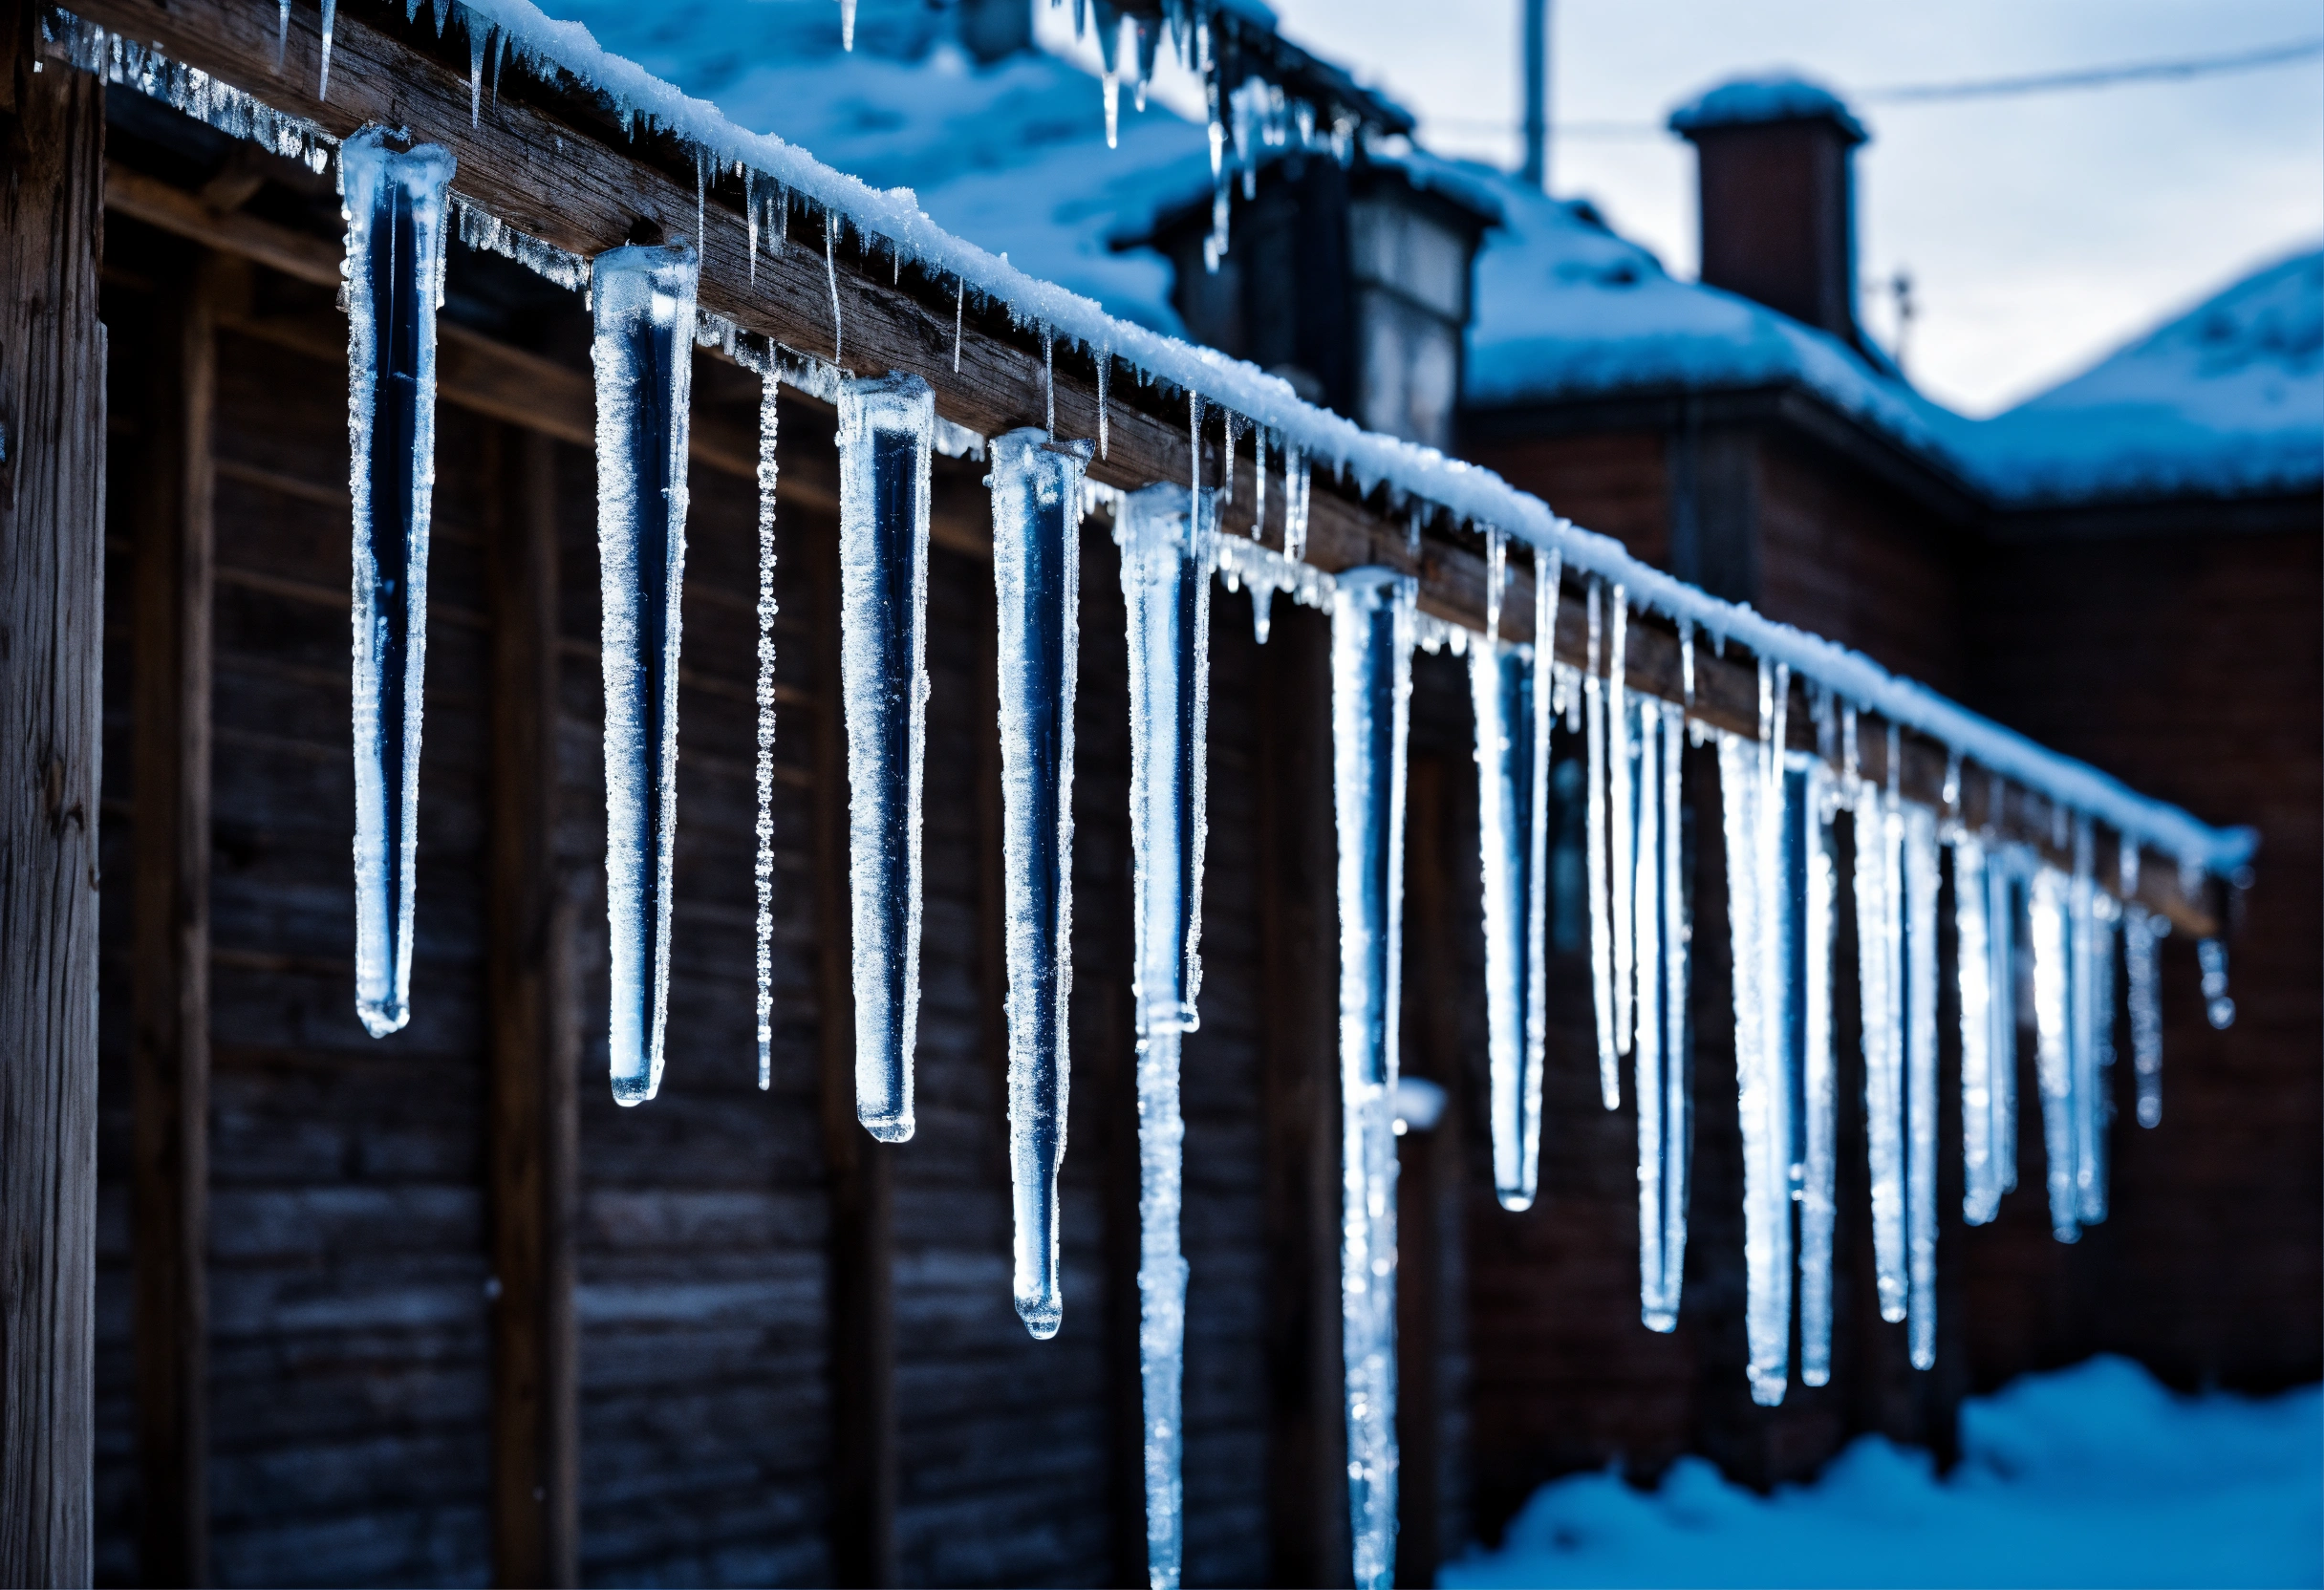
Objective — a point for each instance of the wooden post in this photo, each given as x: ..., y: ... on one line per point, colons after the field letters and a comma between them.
x: 171, y: 835
x: 52, y: 658
x: 1307, y: 1429
x: 535, y: 1125
x: 861, y: 1312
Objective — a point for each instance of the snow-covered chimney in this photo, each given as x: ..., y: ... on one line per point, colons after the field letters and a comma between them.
x: 1778, y: 201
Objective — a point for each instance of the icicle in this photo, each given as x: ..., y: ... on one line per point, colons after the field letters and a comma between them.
x: 1194, y: 427
x: 1973, y: 972
x: 1113, y: 110
x: 1104, y: 371
x: 330, y: 9
x: 2143, y: 934
x: 1263, y: 597
x: 1166, y: 591
x: 769, y: 413
x: 1602, y: 919
x: 2090, y: 1025
x: 393, y: 205
x: 1921, y: 1086
x: 1502, y: 679
x: 1880, y: 1004
x: 831, y: 265
x: 1686, y: 659
x: 1497, y: 576
x: 959, y: 315
x: 480, y: 36
x: 847, y: 25
x: 2097, y: 1108
x: 1819, y: 1206
x: 886, y: 436
x: 2054, y: 1049
x: 1049, y: 382
x: 1295, y: 488
x: 1259, y: 482
x: 2003, y: 869
x: 282, y: 36
x: 642, y: 300
x: 2211, y: 955
x: 1762, y: 1103
x: 1678, y: 1100
x: 1230, y: 422
x: 750, y: 222
x: 1620, y: 754
x: 1371, y: 687
x: 702, y: 198
x: 1037, y: 490
x: 1657, y: 1308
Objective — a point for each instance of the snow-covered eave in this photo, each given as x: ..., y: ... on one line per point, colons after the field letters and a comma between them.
x: 570, y: 59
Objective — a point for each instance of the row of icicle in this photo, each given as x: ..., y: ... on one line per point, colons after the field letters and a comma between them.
x: 1779, y: 809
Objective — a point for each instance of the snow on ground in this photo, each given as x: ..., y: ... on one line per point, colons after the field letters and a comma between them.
x: 2093, y: 1476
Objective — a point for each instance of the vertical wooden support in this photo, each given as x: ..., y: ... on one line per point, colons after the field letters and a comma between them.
x: 1299, y: 918
x: 171, y: 835
x: 861, y: 1312
x: 534, y: 1119
x: 52, y: 630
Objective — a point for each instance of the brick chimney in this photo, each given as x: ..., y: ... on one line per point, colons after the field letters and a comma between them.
x: 1778, y: 198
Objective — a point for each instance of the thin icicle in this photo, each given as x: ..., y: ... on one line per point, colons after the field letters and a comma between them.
x: 2218, y: 1006
x: 479, y: 38
x: 2143, y: 934
x: 393, y: 205
x: 2005, y: 868
x: 642, y: 300
x: 1048, y: 382
x: 1104, y: 371
x: 959, y: 315
x: 2054, y: 1049
x: 1193, y: 426
x: 750, y: 221
x: 1166, y: 591
x: 1762, y: 1102
x: 1231, y: 425
x: 1820, y: 1101
x: 886, y: 438
x: 1258, y: 486
x: 282, y: 35
x: 1974, y: 973
x: 1037, y: 496
x: 1622, y: 816
x: 1920, y: 852
x: 1497, y: 576
x: 1881, y: 1001
x: 1657, y: 1308
x: 331, y: 9
x: 771, y: 388
x: 830, y: 266
x: 1295, y: 488
x: 1602, y: 919
x: 1371, y: 688
x: 1501, y: 681
x: 847, y: 25
x: 1678, y: 1099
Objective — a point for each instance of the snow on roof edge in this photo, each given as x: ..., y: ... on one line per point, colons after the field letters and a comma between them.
x: 1465, y: 489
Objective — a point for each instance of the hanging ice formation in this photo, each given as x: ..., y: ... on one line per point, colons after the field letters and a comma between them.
x: 394, y: 203
x: 1920, y: 853
x: 2049, y: 920
x: 1166, y: 590
x: 1511, y: 689
x: 1371, y: 645
x: 1818, y: 874
x: 1880, y: 940
x: 1602, y: 925
x: 2143, y: 934
x: 1036, y: 497
x: 642, y: 299
x: 887, y: 430
x: 2092, y: 1024
x: 1659, y: 1050
x: 763, y: 871
x: 1621, y: 830
x: 2218, y: 1008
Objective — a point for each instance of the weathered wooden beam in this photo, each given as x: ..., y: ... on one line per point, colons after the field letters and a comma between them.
x: 52, y: 614
x: 532, y: 1148
x: 172, y: 551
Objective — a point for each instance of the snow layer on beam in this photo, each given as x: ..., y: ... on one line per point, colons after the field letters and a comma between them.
x: 1368, y: 460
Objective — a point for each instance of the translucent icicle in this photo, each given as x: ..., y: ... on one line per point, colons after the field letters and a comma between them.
x: 830, y: 270
x: 330, y: 9
x: 959, y: 313
x: 2004, y: 869
x: 1371, y: 687
x: 1622, y: 816
x: 1113, y: 110
x: 1657, y: 1308
x: 1166, y: 591
x: 1601, y: 920
x: 1879, y: 1001
x: 1501, y: 681
x: 1048, y: 382
x: 2218, y: 1006
x: 394, y: 205
x: 282, y: 34
x: 1921, y: 1085
x: 1231, y: 424
x: 479, y: 38
x: 1762, y: 1103
x: 642, y: 301
x: 1262, y: 601
x: 750, y: 222
x: 1973, y: 972
x: 1678, y: 1099
x: 847, y: 24
x: 2143, y: 934
x: 769, y: 412
x: 1104, y: 371
x: 2050, y: 917
x: 1036, y: 494
x: 1259, y: 482
x: 2082, y: 1025
x: 1193, y: 426
x: 1820, y: 1101
x: 1295, y: 488
x: 885, y: 436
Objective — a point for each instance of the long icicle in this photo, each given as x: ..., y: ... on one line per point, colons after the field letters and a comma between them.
x: 1501, y: 685
x: 642, y: 300
x: 1622, y: 818
x: 1743, y: 793
x: 1601, y: 918
x: 394, y: 205
x: 1037, y: 498
x: 1777, y: 915
x: 1657, y: 1308
x: 1678, y: 1098
x: 1974, y: 974
x: 771, y: 387
x: 1921, y: 1086
x: 2143, y: 934
x: 1549, y: 574
x: 1371, y: 646
x: 2050, y: 917
x: 1166, y: 592
x: 1883, y: 1064
x: 2004, y: 872
x: 1820, y: 1101
x: 886, y: 438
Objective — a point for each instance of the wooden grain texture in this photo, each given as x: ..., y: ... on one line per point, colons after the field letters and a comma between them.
x: 533, y: 1140
x: 174, y: 553
x: 51, y: 548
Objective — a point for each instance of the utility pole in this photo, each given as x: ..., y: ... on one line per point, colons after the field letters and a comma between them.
x: 1537, y: 92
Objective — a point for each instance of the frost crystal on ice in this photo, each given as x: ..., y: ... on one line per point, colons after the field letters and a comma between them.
x: 887, y: 433
x: 1166, y: 590
x: 394, y: 204
x: 1512, y: 811
x: 769, y: 393
x: 1371, y: 646
x: 1037, y: 498
x: 642, y: 299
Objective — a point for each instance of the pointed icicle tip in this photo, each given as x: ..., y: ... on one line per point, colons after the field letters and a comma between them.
x: 847, y: 25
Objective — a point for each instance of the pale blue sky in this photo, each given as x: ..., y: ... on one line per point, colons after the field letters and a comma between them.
x: 2039, y: 230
